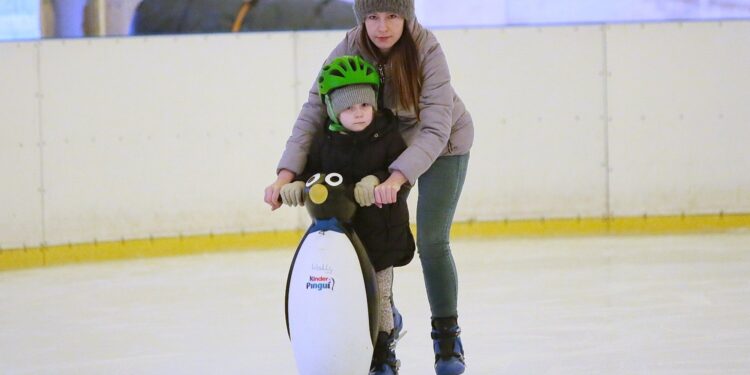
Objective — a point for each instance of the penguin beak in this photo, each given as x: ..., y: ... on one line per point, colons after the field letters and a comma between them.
x: 318, y: 194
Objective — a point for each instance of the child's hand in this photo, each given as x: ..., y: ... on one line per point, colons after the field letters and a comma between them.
x: 364, y: 190
x: 291, y: 193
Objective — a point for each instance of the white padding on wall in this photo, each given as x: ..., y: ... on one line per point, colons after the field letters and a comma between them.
x: 536, y: 96
x: 312, y: 50
x: 20, y: 176
x: 679, y: 107
x: 161, y: 136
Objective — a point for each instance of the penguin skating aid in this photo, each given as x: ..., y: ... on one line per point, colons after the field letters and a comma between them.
x: 331, y: 293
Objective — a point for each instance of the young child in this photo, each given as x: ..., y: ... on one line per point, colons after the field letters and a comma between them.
x: 360, y: 143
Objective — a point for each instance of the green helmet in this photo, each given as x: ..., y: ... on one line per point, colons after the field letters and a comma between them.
x: 344, y: 71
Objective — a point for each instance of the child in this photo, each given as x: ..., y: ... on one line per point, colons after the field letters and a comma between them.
x: 360, y: 143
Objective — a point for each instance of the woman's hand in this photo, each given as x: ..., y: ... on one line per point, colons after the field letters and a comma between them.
x: 387, y: 192
x: 272, y: 191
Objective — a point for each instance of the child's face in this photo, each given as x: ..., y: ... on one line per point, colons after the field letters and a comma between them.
x: 357, y: 117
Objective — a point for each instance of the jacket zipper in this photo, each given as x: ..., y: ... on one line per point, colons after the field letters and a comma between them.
x: 381, y: 91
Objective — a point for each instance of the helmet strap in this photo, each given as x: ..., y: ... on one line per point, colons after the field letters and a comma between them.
x: 334, y: 126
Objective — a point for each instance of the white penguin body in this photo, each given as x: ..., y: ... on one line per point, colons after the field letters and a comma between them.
x: 331, y: 296
x: 327, y: 305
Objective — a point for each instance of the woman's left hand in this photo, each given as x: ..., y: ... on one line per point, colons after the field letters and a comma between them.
x: 387, y: 192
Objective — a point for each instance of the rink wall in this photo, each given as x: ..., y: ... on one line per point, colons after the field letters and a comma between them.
x: 579, y: 129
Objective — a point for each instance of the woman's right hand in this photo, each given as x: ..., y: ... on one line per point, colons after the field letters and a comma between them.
x: 272, y: 191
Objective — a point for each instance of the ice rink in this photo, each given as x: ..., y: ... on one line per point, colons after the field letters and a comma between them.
x: 585, y: 305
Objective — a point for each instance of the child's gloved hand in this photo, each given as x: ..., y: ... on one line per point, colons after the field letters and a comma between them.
x: 364, y: 190
x: 291, y: 193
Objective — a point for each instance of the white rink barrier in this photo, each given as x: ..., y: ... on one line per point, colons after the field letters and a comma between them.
x: 146, y: 137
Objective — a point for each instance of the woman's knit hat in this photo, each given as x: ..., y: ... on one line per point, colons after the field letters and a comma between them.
x: 404, y: 8
x: 347, y: 96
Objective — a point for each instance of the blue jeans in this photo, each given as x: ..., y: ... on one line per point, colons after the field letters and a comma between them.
x: 439, y: 190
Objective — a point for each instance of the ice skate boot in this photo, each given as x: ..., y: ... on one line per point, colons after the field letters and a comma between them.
x: 398, y: 324
x: 449, y: 352
x: 384, y: 361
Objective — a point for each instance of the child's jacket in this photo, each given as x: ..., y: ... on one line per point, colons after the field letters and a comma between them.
x: 384, y: 231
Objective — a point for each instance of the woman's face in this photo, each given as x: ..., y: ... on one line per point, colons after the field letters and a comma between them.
x: 384, y: 29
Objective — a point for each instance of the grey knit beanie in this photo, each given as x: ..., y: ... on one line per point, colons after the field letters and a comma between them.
x: 404, y: 8
x: 347, y: 96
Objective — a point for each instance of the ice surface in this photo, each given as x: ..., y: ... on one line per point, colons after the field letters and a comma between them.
x: 591, y: 305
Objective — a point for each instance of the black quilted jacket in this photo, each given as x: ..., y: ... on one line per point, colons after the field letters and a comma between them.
x: 384, y: 231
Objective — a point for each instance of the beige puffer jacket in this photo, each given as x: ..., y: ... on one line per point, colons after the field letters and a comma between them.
x: 446, y: 127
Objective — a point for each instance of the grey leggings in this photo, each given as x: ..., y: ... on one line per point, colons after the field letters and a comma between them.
x: 385, y: 295
x: 439, y: 190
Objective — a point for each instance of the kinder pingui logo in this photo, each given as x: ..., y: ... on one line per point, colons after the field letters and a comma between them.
x: 320, y: 283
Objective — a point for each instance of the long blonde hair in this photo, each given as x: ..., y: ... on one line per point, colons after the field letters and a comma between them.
x: 404, y: 59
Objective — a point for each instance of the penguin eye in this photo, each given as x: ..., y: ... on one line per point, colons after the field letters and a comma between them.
x: 334, y: 179
x: 313, y: 179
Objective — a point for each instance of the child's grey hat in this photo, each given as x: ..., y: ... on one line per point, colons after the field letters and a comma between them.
x: 404, y: 8
x: 347, y: 96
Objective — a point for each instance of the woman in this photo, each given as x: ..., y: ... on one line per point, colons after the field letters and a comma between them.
x: 439, y: 133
